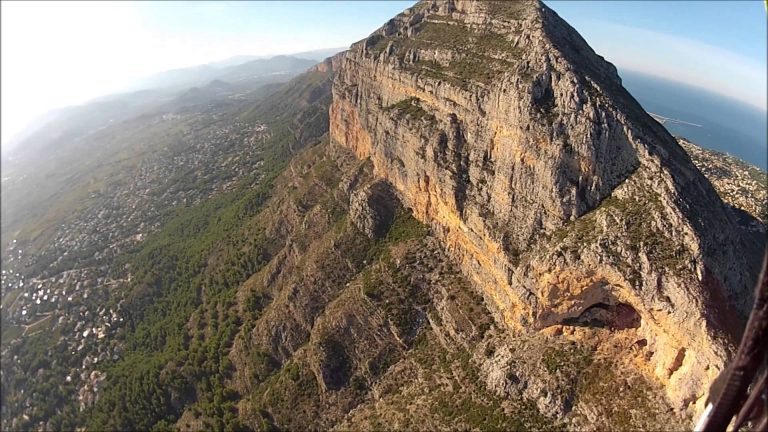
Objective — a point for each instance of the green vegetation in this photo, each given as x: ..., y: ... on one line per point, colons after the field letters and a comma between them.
x: 39, y: 325
x: 194, y: 310
x: 637, y: 228
x: 405, y: 228
x: 10, y: 331
x: 290, y: 394
x: 262, y: 365
x: 464, y: 71
x: 470, y: 69
x: 337, y: 367
x: 183, y: 315
x: 468, y: 407
x: 569, y: 360
x: 377, y: 43
x: 371, y: 284
x: 481, y: 56
x: 445, y: 34
x: 383, y: 360
x: 642, y: 233
x: 411, y: 108
x: 402, y: 299
x: 624, y: 401
x: 172, y: 272
x: 458, y: 36
x: 292, y: 371
x: 507, y: 9
x: 389, y: 285
x: 181, y: 312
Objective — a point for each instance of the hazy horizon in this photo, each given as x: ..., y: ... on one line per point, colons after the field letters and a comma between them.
x: 139, y: 39
x: 142, y: 39
x: 129, y: 86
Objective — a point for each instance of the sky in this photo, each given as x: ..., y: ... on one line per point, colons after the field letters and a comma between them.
x: 716, y: 45
x: 64, y: 53
x: 56, y: 54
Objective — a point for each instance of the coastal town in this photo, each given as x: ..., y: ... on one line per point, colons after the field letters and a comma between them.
x: 70, y: 287
x: 738, y: 183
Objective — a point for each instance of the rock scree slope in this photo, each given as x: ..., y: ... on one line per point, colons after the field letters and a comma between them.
x: 558, y: 196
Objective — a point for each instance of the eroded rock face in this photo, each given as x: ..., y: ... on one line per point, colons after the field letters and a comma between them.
x: 373, y: 208
x: 548, y: 183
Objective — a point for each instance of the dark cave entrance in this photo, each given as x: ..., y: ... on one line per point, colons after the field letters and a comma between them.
x: 619, y: 316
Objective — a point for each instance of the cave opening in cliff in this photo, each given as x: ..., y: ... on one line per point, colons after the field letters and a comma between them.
x: 618, y: 316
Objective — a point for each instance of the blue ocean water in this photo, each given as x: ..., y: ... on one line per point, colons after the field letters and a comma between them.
x: 727, y: 125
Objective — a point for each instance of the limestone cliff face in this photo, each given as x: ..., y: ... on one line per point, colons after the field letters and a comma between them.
x: 560, y: 198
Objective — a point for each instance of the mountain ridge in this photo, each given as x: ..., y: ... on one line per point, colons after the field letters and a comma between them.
x: 601, y: 144
x: 202, y: 74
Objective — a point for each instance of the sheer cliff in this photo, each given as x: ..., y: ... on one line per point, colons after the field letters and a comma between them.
x: 559, y: 197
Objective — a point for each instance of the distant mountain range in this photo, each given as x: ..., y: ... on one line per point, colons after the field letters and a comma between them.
x: 233, y: 73
x: 233, y: 69
x: 317, y: 55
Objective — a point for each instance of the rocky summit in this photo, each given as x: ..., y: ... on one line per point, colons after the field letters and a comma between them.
x: 566, y: 205
x: 463, y: 222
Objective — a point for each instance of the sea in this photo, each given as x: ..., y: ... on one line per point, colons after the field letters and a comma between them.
x: 727, y: 125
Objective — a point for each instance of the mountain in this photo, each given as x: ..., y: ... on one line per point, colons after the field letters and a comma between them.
x: 320, y: 54
x: 316, y: 55
x: 66, y: 134
x: 260, y: 68
x: 92, y: 218
x: 462, y: 222
x: 153, y: 93
x: 560, y: 197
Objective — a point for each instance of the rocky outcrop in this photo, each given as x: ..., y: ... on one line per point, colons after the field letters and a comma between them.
x: 373, y: 208
x: 559, y: 197
x: 329, y: 64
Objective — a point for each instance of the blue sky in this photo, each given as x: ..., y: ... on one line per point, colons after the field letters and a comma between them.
x: 99, y: 47
x: 284, y: 26
x: 738, y: 26
x: 717, y: 45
